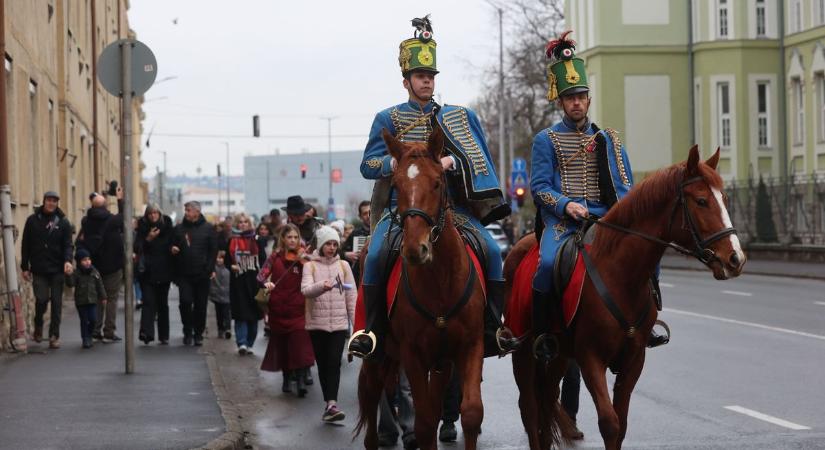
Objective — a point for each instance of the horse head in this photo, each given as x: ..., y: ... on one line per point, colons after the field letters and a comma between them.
x: 706, y: 225
x: 421, y: 189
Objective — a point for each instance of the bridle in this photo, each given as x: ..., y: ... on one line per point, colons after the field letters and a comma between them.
x: 700, y: 250
x: 437, y: 224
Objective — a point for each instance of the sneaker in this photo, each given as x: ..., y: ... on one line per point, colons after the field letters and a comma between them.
x: 54, y: 342
x: 242, y: 350
x: 198, y: 341
x: 447, y: 433
x: 87, y: 343
x: 38, y: 334
x: 249, y: 351
x: 227, y: 334
x: 112, y: 338
x: 187, y: 340
x: 164, y: 342
x: 333, y: 414
x: 97, y: 336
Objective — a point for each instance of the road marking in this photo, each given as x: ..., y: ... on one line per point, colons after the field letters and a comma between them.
x: 767, y: 418
x: 748, y: 324
x: 819, y: 303
x: 665, y: 285
x: 740, y: 293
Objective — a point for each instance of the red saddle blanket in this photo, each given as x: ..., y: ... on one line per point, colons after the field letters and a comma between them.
x: 519, y: 311
x: 394, y: 281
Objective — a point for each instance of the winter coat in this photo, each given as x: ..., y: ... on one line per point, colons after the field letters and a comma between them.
x: 219, y: 286
x: 286, y: 302
x: 266, y: 244
x: 243, y: 285
x: 331, y: 310
x: 198, y: 244
x: 158, y: 265
x: 101, y: 233
x: 47, y: 243
x: 88, y: 287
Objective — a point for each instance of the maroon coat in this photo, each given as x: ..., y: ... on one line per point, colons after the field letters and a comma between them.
x: 289, y: 345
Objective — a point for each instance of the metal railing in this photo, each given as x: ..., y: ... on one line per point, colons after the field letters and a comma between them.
x: 785, y: 211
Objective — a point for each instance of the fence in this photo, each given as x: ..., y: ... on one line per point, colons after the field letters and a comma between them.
x: 787, y: 211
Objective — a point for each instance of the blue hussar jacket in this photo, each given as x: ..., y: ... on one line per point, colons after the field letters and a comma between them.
x: 589, y: 167
x: 465, y: 142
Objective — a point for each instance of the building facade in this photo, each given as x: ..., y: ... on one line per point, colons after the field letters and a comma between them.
x: 270, y: 179
x: 746, y: 76
x: 62, y: 126
x: 214, y: 202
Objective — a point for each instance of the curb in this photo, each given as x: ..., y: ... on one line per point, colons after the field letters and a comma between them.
x: 234, y: 438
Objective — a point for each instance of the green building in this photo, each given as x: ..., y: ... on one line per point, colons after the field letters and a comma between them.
x: 747, y: 76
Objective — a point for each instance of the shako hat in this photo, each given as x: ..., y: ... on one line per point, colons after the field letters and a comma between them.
x: 565, y: 72
x: 418, y: 53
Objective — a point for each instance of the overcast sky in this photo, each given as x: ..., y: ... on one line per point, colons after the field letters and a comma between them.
x: 292, y: 62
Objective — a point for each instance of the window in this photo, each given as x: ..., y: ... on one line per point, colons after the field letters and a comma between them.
x: 763, y: 124
x: 799, y: 118
x: 820, y: 103
x: 32, y: 87
x: 760, y: 18
x: 723, y: 91
x: 697, y: 113
x: 722, y: 19
x: 795, y: 24
x: 820, y: 12
x: 8, y: 63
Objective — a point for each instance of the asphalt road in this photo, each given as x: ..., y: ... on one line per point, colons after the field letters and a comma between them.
x: 745, y: 369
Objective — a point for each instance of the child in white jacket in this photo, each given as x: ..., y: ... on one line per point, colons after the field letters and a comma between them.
x: 329, y: 287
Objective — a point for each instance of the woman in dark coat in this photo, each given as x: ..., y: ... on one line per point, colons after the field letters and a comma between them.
x: 242, y: 260
x: 290, y: 348
x: 153, y: 267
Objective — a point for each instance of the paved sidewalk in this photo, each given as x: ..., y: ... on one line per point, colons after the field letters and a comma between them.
x: 74, y: 398
x: 778, y: 268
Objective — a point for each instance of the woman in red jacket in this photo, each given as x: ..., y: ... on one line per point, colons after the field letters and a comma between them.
x: 289, y: 349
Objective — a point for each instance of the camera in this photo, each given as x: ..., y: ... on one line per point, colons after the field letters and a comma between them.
x: 112, y: 188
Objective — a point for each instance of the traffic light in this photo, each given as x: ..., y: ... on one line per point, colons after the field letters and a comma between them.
x: 256, y: 125
x: 303, y: 171
x: 520, y: 196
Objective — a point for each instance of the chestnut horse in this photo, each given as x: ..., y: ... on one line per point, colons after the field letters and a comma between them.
x: 437, y: 323
x: 683, y: 207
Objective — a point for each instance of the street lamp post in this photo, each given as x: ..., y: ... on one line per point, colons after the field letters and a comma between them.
x: 331, y: 201
x: 228, y: 211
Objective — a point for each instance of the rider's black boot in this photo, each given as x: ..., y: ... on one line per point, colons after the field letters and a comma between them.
x: 498, y: 339
x: 655, y: 339
x: 545, y: 345
x: 370, y: 341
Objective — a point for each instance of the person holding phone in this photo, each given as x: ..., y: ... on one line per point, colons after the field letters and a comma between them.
x: 154, y: 267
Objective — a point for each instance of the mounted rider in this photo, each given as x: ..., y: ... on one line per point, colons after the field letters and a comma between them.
x: 579, y: 170
x: 473, y: 185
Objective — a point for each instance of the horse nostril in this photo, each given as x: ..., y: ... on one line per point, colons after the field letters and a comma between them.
x: 734, y: 259
x: 424, y: 250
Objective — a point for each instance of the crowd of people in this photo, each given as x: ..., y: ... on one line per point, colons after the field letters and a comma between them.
x: 295, y: 275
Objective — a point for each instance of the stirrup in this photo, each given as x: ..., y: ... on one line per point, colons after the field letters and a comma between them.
x: 513, y: 341
x: 656, y: 340
x: 545, y: 338
x: 371, y: 335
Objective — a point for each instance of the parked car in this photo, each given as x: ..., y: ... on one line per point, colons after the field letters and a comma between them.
x: 500, y: 237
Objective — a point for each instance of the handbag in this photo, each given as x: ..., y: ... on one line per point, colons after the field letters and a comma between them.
x: 262, y: 299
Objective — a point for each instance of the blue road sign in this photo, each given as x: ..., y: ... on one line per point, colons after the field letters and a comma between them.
x: 519, y: 165
x: 518, y: 180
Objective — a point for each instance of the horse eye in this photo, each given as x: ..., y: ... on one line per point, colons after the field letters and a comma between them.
x: 437, y: 185
x: 702, y: 202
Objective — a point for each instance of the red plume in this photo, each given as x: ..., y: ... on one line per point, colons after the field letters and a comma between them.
x: 562, y: 41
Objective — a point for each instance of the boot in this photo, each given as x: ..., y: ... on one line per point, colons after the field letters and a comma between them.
x: 545, y: 345
x: 300, y: 375
x: 503, y: 338
x: 38, y: 334
x: 287, y: 386
x: 370, y: 341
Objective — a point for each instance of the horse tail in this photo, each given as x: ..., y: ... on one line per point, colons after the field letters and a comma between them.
x: 552, y: 418
x: 372, y: 379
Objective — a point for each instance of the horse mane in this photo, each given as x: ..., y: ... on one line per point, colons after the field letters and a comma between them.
x: 647, y: 199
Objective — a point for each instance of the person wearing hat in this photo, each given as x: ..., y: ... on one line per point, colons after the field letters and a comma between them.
x: 579, y: 170
x: 88, y: 291
x: 296, y: 211
x: 46, y: 258
x: 473, y: 184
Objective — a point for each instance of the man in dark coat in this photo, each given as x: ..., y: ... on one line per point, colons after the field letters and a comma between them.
x: 195, y: 245
x: 360, y: 230
x: 101, y: 234
x: 46, y: 258
x: 296, y: 210
x: 154, y: 270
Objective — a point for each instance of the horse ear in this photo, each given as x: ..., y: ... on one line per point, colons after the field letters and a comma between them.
x: 393, y: 145
x: 693, y: 161
x: 713, y: 161
x: 436, y: 144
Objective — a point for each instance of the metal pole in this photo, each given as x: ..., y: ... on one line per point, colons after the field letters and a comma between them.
x: 267, y: 184
x: 331, y: 200
x: 691, y: 75
x: 163, y: 191
x: 95, y: 147
x: 502, y: 175
x: 228, y: 211
x: 128, y: 235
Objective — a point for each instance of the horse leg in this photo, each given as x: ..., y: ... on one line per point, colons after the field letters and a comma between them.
x: 623, y: 388
x: 472, y: 409
x: 524, y: 371
x: 426, y: 421
x: 593, y: 372
x: 370, y: 388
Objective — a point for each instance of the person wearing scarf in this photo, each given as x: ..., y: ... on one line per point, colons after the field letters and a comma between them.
x: 241, y: 258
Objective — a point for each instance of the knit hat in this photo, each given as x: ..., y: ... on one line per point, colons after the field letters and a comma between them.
x: 325, y: 234
x: 338, y: 225
x: 81, y: 253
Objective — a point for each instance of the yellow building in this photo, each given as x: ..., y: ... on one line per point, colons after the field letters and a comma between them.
x: 63, y: 128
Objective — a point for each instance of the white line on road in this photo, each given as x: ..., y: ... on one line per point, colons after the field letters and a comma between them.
x: 665, y: 285
x: 767, y: 418
x: 819, y: 303
x: 740, y: 293
x: 748, y: 324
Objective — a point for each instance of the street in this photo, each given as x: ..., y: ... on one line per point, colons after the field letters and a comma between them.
x: 744, y: 370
